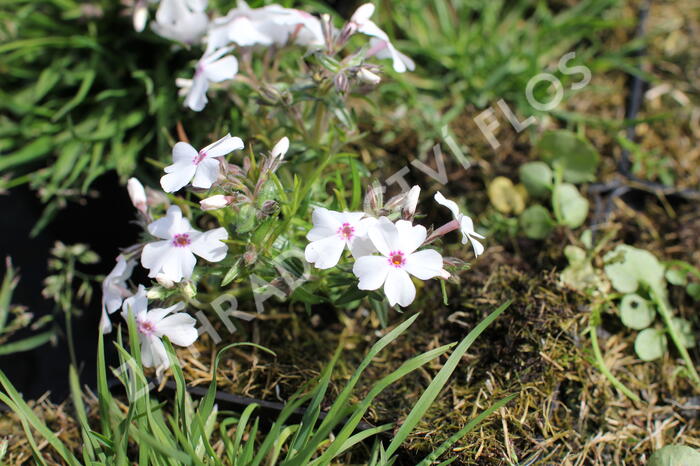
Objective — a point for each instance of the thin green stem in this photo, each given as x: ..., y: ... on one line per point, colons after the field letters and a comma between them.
x: 592, y: 326
x: 666, y: 315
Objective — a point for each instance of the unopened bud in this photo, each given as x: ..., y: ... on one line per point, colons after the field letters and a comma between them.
x: 341, y: 82
x: 250, y: 256
x: 280, y: 148
x: 140, y: 15
x: 155, y: 292
x: 137, y: 194
x: 366, y: 76
x: 218, y: 201
x: 189, y: 290
x: 164, y: 281
x: 270, y: 207
x: 409, y: 206
x: 270, y: 94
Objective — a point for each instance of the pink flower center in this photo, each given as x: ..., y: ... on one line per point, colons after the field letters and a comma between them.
x: 346, y: 231
x: 201, y: 155
x: 146, y: 327
x: 396, y: 259
x: 181, y: 240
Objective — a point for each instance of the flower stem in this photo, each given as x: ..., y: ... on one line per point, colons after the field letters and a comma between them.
x: 592, y: 327
x: 666, y: 315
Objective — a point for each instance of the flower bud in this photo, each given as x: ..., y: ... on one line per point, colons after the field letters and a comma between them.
x: 341, y: 82
x: 409, y: 206
x: 164, y: 281
x: 270, y: 207
x: 189, y: 290
x: 218, y: 201
x: 250, y: 256
x: 140, y: 15
x: 137, y: 194
x: 156, y: 292
x: 366, y: 76
x: 281, y: 148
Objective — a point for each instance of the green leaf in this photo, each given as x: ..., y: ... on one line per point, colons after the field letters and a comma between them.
x: 578, y: 158
x: 537, y: 178
x: 676, y: 276
x: 536, y: 222
x: 26, y: 344
x: 505, y: 196
x: 573, y: 206
x: 636, y: 312
x: 627, y: 267
x: 675, y: 455
x: 440, y: 380
x: 693, y: 290
x: 650, y: 344
x: 685, y: 330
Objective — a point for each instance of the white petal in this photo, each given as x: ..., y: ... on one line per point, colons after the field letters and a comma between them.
x: 173, y: 223
x: 325, y: 253
x: 478, y: 247
x: 105, y: 323
x: 361, y: 246
x: 184, y: 152
x: 410, y: 236
x: 208, y: 245
x: 154, y: 255
x: 370, y: 29
x: 178, y: 264
x: 363, y: 13
x: 424, y: 264
x: 317, y: 233
x: 372, y: 271
x: 158, y: 314
x: 399, y: 288
x: 206, y: 174
x: 178, y: 177
x: 384, y: 235
x: 153, y: 353
x: 452, y: 205
x: 221, y: 70
x: 223, y: 146
x: 136, y: 304
x: 196, y: 98
x: 244, y: 33
x: 179, y: 328
x: 325, y: 219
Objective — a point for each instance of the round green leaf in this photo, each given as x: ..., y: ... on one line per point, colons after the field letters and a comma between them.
x: 650, y: 344
x: 675, y: 455
x: 685, y: 330
x: 693, y: 289
x: 676, y: 276
x: 636, y: 312
x: 574, y: 154
x: 505, y: 196
x: 536, y: 222
x: 627, y: 267
x: 573, y: 206
x: 537, y: 178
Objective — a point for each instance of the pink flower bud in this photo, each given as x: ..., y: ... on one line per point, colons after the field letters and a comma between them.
x: 137, y: 194
x: 218, y: 201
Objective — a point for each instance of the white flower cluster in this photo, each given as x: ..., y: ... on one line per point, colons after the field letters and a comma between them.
x: 386, y: 253
x: 185, y: 21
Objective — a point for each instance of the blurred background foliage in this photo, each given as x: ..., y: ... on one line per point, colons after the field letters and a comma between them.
x: 95, y: 108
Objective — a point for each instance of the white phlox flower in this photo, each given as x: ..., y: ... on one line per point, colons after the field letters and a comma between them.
x: 272, y: 24
x: 466, y: 225
x: 332, y: 232
x: 211, y: 68
x: 398, y: 259
x: 202, y: 168
x: 114, y: 290
x: 380, y: 44
x: 173, y: 258
x: 153, y: 325
x: 181, y: 20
